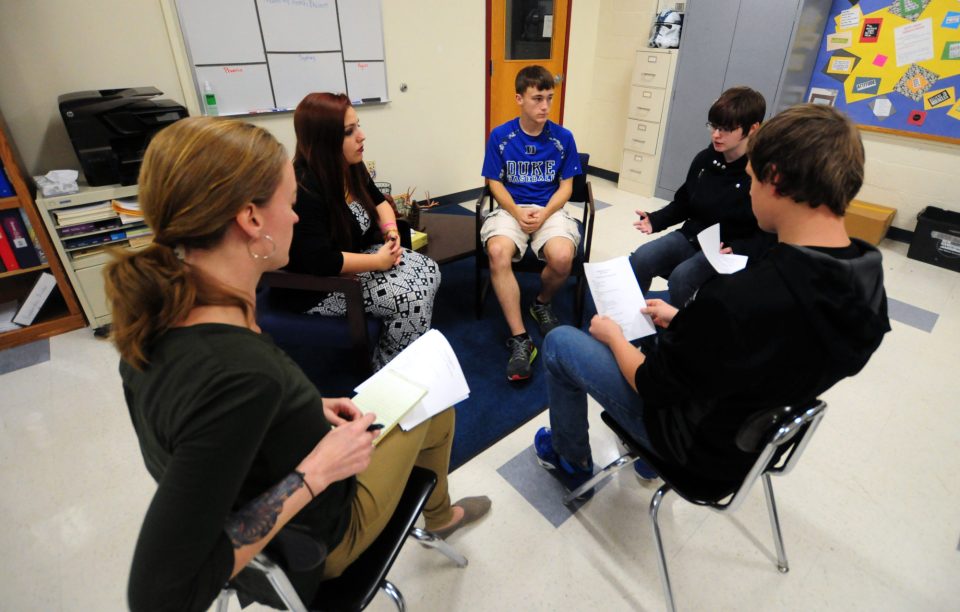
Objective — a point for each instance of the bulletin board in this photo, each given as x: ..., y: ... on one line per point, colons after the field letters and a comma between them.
x: 262, y: 56
x: 892, y: 66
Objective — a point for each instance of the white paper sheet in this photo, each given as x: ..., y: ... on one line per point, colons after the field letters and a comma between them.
x: 7, y: 311
x: 390, y: 395
x: 849, y: 18
x: 914, y: 42
x: 724, y: 263
x: 548, y: 26
x: 431, y: 363
x: 882, y: 107
x: 617, y: 295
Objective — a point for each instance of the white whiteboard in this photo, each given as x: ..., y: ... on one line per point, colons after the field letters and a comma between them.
x: 299, y: 26
x: 362, y: 30
x: 265, y: 55
x: 221, y: 31
x: 240, y: 88
x: 366, y: 81
x: 297, y: 74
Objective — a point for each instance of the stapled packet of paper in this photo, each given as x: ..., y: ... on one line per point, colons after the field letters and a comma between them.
x: 58, y: 182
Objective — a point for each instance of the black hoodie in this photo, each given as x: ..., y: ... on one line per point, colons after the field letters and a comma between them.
x: 779, y: 333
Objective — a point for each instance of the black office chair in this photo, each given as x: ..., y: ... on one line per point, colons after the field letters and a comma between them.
x: 780, y: 434
x: 357, y: 586
x: 334, y: 352
x: 582, y: 192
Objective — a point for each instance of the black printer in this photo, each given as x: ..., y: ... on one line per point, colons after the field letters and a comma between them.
x: 111, y: 128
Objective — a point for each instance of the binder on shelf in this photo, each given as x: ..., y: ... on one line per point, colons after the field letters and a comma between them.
x: 33, y: 237
x: 35, y: 300
x: 23, y: 248
x: 6, y: 253
x: 6, y: 189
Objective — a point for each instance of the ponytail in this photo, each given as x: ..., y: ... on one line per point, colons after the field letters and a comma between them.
x: 196, y: 176
x: 150, y: 290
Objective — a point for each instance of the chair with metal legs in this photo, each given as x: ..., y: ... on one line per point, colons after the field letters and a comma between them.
x: 357, y: 586
x: 780, y: 435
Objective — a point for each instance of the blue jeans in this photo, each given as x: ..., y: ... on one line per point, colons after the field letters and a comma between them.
x: 672, y: 257
x: 576, y: 365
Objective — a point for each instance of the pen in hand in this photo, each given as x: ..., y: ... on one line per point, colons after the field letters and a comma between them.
x: 375, y: 426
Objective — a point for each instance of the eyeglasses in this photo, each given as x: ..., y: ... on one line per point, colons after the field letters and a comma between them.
x: 720, y: 129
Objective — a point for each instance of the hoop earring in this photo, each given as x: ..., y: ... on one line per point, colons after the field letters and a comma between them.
x: 268, y: 255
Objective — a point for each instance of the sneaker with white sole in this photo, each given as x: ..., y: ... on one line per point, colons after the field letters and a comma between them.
x: 569, y: 475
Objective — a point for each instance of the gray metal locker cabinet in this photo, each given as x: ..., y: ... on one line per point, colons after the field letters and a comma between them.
x: 769, y: 45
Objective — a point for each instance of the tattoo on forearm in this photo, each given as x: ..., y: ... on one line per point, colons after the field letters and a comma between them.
x: 255, y: 520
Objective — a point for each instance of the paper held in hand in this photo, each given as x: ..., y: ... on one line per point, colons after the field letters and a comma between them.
x: 390, y: 397
x: 724, y: 263
x: 431, y: 364
x: 617, y: 295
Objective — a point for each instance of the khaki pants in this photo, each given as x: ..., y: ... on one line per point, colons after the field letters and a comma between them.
x: 380, y: 486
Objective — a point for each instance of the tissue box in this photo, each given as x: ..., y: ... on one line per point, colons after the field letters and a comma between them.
x: 868, y: 222
x: 57, y: 182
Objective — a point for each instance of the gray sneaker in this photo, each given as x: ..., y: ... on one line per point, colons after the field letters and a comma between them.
x: 522, y: 354
x: 543, y: 315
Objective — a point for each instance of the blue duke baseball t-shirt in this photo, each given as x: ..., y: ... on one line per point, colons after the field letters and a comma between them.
x: 531, y: 167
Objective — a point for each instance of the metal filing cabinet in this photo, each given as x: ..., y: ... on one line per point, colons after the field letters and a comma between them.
x: 650, y: 89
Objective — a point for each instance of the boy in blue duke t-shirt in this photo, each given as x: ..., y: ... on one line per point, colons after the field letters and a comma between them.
x: 529, y: 164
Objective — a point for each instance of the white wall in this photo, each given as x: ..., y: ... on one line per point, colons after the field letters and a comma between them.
x: 910, y: 174
x: 432, y: 135
x: 604, y: 38
x: 59, y: 46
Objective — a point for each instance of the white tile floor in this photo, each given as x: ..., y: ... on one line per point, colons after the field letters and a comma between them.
x: 870, y: 516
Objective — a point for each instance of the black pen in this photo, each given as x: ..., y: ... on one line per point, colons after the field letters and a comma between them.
x: 375, y: 426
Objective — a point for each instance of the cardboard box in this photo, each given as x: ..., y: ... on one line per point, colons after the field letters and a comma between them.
x: 937, y: 238
x: 868, y: 222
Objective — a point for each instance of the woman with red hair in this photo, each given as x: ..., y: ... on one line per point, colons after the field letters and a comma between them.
x: 347, y: 226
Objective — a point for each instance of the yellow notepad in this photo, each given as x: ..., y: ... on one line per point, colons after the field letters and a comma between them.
x: 389, y: 395
x: 418, y: 240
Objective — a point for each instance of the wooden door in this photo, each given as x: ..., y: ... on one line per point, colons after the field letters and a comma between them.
x: 521, y: 33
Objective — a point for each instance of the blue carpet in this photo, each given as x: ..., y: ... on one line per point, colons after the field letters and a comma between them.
x: 496, y: 406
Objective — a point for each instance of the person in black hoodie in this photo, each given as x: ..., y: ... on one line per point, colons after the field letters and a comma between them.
x: 781, y: 332
x: 716, y: 190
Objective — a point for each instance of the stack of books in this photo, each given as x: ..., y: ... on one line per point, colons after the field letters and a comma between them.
x: 85, y: 229
x: 139, y: 236
x: 90, y: 213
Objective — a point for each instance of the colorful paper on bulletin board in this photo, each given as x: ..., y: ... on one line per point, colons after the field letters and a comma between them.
x: 903, y: 60
x: 940, y: 98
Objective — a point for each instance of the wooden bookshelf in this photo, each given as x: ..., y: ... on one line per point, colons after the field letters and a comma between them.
x: 61, y: 313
